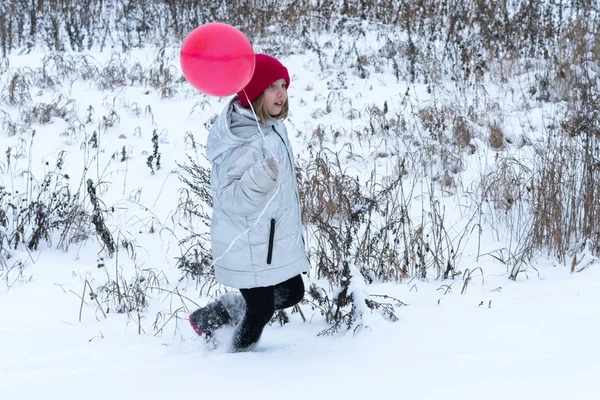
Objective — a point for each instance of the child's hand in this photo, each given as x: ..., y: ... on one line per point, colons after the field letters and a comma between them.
x: 273, y: 165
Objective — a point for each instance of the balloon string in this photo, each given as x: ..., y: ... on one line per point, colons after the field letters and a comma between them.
x: 258, y: 124
x: 268, y: 202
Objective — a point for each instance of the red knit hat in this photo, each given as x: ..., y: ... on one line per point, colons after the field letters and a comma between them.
x: 266, y: 71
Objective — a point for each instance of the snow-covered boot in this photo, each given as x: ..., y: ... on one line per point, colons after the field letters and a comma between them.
x: 207, y: 319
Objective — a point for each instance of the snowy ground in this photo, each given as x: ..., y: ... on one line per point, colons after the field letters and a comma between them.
x: 531, y: 339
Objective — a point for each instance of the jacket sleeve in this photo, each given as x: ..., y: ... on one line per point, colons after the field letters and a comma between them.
x: 244, y: 182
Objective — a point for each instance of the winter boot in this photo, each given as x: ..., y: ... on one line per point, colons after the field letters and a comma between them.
x: 207, y: 319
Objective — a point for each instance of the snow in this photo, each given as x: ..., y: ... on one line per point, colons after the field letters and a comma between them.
x: 531, y: 338
x: 536, y: 339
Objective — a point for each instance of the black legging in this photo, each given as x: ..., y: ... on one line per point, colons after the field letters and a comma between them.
x: 261, y: 303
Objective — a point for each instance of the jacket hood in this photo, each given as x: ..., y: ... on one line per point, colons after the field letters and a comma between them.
x: 234, y: 127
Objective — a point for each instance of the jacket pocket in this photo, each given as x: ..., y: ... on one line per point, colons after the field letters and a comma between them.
x: 271, y: 240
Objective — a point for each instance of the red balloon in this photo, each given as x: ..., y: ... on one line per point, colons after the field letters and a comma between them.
x: 217, y: 59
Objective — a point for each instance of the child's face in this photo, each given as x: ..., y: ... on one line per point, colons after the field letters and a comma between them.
x: 275, y: 97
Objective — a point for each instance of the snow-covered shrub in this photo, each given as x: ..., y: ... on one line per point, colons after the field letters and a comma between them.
x: 566, y: 196
x: 195, y: 202
x: 366, y: 228
x: 47, y: 212
x: 18, y: 89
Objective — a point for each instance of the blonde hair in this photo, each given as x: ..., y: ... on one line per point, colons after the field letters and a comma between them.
x: 263, y: 115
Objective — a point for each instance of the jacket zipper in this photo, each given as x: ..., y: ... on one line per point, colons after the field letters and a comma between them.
x: 271, y: 240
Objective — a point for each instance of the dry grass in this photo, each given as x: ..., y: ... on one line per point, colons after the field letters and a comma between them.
x: 496, y: 136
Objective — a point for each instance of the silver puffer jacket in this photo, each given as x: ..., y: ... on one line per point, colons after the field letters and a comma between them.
x: 272, y: 250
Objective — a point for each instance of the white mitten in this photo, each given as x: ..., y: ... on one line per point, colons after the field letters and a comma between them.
x: 273, y: 166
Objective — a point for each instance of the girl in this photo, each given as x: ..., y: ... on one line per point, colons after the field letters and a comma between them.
x: 256, y: 230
